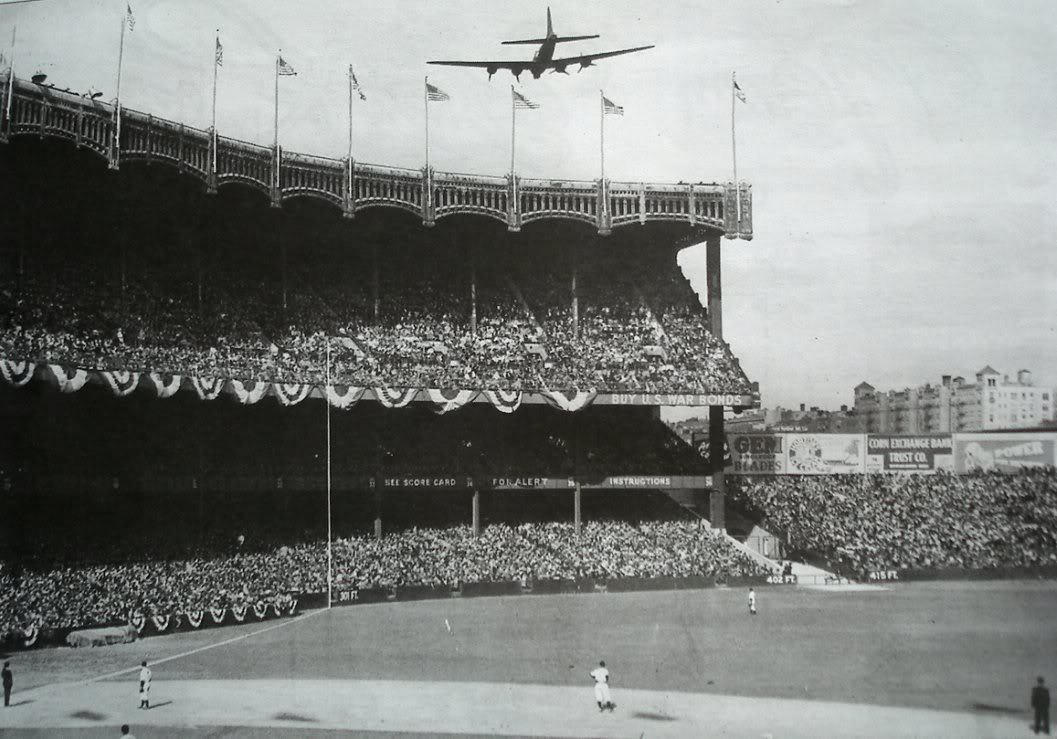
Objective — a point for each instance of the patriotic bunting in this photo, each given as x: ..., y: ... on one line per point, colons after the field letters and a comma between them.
x: 395, y: 397
x: 195, y: 618
x: 69, y: 382
x: 217, y: 614
x: 161, y: 623
x: 122, y: 382
x: 250, y: 392
x: 449, y: 400
x: 239, y: 612
x: 165, y: 385
x: 505, y: 401
x: 16, y: 373
x: 344, y: 399
x: 207, y: 388
x: 291, y: 393
x: 578, y: 400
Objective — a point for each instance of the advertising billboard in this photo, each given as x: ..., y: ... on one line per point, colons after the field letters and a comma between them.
x: 756, y: 454
x: 1003, y: 452
x: 825, y: 454
x: 919, y: 453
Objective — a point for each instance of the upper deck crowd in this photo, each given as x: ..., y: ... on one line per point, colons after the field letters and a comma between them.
x: 386, y: 318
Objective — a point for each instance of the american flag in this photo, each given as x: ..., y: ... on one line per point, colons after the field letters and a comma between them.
x: 611, y: 108
x: 356, y: 83
x: 737, y: 91
x: 220, y: 54
x: 129, y: 17
x: 285, y: 70
x: 520, y: 101
x: 436, y: 94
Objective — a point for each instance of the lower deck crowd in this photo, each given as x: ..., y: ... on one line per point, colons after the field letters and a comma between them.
x: 73, y: 596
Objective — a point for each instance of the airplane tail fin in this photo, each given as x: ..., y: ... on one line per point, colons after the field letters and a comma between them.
x: 550, y: 35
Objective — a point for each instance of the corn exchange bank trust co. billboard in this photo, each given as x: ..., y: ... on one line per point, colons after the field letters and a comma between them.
x: 918, y: 453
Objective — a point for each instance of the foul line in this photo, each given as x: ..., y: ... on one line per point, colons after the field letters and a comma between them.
x: 232, y: 640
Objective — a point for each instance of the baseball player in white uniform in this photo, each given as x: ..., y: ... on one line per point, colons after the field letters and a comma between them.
x: 144, y: 685
x: 601, y: 677
x: 752, y: 601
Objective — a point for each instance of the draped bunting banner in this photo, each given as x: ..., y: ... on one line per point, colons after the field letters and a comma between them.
x: 30, y: 634
x: 563, y: 401
x: 395, y: 397
x: 122, y: 382
x: 166, y: 388
x: 239, y: 612
x: 207, y: 388
x: 450, y: 400
x: 161, y: 623
x: 195, y: 618
x: 260, y: 610
x: 217, y: 614
x: 250, y: 392
x: 69, y: 383
x: 138, y: 621
x: 17, y: 373
x: 505, y: 401
x: 344, y: 399
x: 291, y: 393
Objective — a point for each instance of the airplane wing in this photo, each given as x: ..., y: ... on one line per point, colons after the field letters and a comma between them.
x: 485, y: 65
x: 516, y: 68
x: 585, y: 60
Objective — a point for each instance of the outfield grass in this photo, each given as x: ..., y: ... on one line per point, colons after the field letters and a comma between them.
x: 973, y: 647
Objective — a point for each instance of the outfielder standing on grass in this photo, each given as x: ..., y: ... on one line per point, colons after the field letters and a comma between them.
x: 752, y: 601
x: 144, y: 686
x: 601, y: 678
x: 9, y: 682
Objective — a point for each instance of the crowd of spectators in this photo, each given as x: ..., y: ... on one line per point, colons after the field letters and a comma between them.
x: 419, y: 325
x: 890, y: 522
x: 80, y: 596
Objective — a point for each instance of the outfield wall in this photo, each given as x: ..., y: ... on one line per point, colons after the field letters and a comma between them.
x: 857, y: 454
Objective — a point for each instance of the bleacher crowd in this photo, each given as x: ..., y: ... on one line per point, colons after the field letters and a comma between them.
x: 79, y: 596
x: 870, y: 523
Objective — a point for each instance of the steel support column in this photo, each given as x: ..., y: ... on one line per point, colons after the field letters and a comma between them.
x: 716, y: 433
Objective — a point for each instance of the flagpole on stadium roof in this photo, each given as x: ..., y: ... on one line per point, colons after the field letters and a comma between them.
x: 513, y: 127
x: 330, y: 537
x: 216, y: 65
x: 602, y: 145
x: 117, y: 105
x: 11, y: 78
x: 425, y: 99
x: 734, y: 150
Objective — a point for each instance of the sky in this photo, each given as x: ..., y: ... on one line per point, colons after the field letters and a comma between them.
x: 902, y: 155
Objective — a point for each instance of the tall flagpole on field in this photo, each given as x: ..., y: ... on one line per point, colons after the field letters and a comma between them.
x: 734, y: 150
x: 330, y: 537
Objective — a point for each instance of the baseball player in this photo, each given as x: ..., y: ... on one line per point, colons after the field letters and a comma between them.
x: 601, y: 677
x: 144, y: 685
x: 752, y: 601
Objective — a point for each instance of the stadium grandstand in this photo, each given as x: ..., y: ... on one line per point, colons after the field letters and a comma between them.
x: 461, y: 384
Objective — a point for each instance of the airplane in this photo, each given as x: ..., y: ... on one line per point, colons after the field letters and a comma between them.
x: 544, y: 57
